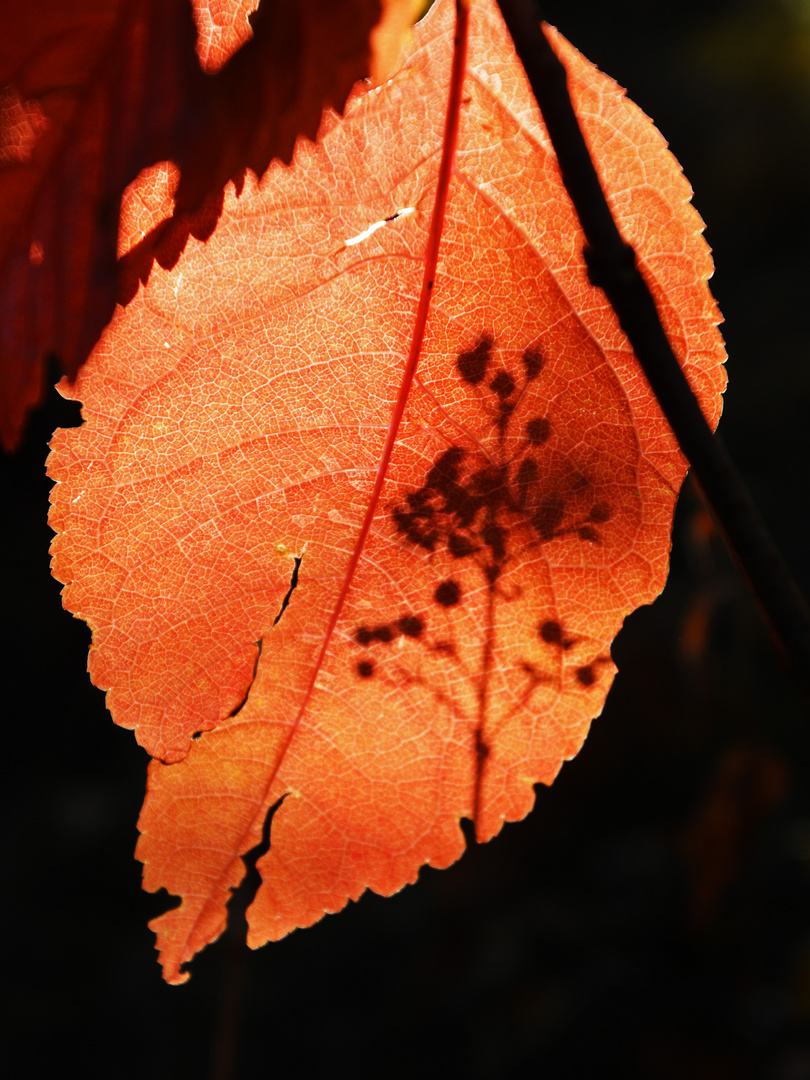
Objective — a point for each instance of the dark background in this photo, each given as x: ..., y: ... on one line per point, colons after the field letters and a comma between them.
x: 652, y: 915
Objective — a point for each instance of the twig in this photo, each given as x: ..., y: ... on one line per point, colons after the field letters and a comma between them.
x: 612, y: 266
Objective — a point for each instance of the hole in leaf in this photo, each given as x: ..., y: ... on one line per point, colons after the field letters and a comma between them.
x: 238, y: 708
x: 293, y: 583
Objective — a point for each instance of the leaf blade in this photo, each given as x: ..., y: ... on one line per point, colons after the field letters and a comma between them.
x: 546, y: 557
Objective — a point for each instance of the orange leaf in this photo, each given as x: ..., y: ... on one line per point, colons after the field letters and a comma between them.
x: 237, y: 415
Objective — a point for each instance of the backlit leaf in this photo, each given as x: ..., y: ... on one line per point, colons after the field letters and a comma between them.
x: 236, y: 418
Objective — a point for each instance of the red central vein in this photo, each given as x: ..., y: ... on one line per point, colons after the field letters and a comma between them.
x: 431, y: 262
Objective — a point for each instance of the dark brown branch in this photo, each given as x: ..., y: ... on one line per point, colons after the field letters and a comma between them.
x: 612, y: 266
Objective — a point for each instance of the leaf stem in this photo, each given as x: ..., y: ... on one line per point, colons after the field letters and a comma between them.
x: 612, y: 267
